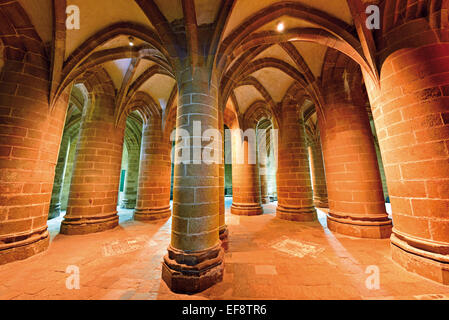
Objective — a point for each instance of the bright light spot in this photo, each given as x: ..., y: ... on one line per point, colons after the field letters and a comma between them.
x: 163, y: 103
x: 280, y: 27
x: 131, y: 41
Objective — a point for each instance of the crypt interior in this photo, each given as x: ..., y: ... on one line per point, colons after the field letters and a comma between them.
x: 350, y: 178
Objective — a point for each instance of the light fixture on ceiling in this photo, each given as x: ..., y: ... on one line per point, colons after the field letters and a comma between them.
x: 280, y: 26
x: 131, y: 41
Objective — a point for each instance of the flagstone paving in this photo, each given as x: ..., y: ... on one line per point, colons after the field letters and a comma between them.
x: 267, y: 258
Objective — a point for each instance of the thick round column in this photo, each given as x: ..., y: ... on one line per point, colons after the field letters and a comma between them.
x: 132, y: 176
x: 55, y: 204
x: 356, y: 200
x: 153, y: 195
x: 263, y: 171
x: 295, y: 195
x: 245, y: 174
x: 195, y: 256
x: 272, y: 167
x: 30, y: 135
x: 318, y: 175
x: 95, y: 182
x: 262, y: 160
x: 412, y: 120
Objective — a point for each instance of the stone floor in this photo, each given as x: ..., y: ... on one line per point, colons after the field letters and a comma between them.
x: 267, y: 259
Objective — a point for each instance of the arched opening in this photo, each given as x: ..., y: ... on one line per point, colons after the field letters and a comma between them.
x: 66, y: 158
x: 266, y: 141
x: 130, y: 166
x: 227, y: 166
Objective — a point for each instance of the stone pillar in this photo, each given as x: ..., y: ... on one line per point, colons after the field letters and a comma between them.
x: 356, y: 200
x: 153, y: 195
x: 263, y: 170
x: 318, y: 175
x: 55, y: 204
x: 411, y: 114
x: 30, y: 136
x: 272, y: 168
x: 195, y: 256
x: 132, y: 175
x: 95, y: 182
x: 245, y: 175
x: 295, y: 196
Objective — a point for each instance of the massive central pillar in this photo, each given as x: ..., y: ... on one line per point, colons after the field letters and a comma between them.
x: 95, y: 182
x: 195, y: 257
x: 245, y: 174
x: 295, y: 196
x: 153, y: 196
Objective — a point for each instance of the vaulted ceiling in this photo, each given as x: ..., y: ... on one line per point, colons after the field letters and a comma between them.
x: 251, y: 70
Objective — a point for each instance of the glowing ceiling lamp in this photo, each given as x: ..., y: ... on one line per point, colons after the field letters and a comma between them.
x: 280, y: 27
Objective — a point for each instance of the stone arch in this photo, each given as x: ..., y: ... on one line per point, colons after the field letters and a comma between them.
x: 19, y: 35
x: 256, y: 113
x: 98, y: 82
x: 144, y: 104
x: 230, y: 119
x: 85, y: 57
x: 242, y: 76
x: 133, y: 131
x: 333, y: 33
x: 97, y: 40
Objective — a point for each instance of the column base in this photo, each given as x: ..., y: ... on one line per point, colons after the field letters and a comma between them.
x: 307, y: 214
x: 17, y: 248
x: 246, y: 209
x: 224, y: 235
x: 373, y: 227
x: 86, y: 225
x: 55, y: 211
x: 413, y: 255
x: 193, y: 272
x: 152, y: 214
x: 128, y: 204
x: 321, y: 203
